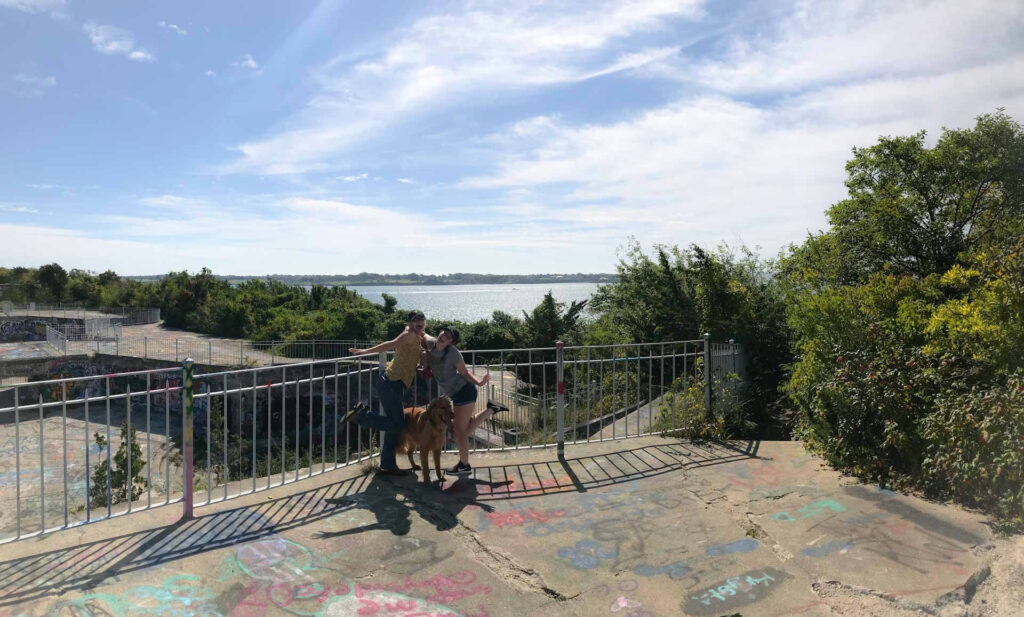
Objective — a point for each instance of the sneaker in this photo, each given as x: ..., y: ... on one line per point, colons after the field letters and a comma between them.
x: 349, y: 415
x: 496, y: 407
x: 461, y: 469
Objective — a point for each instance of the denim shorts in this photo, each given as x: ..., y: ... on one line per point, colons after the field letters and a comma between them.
x: 464, y: 395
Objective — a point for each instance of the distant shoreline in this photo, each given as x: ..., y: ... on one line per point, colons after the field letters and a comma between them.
x: 369, y: 279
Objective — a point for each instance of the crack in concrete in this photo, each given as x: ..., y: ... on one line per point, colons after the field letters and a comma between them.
x: 505, y: 567
x: 962, y: 596
x: 751, y: 528
x: 830, y: 589
x: 763, y: 536
x: 501, y: 564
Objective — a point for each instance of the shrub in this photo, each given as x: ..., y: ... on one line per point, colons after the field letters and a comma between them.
x: 975, y: 449
x: 122, y: 481
x: 683, y: 410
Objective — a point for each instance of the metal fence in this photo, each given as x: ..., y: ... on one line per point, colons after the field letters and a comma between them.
x: 124, y: 315
x: 57, y: 339
x: 91, y: 447
x: 89, y: 330
x: 222, y: 353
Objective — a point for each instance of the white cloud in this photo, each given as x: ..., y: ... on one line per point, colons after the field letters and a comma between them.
x: 352, y: 178
x: 711, y: 167
x: 248, y: 63
x: 42, y: 82
x: 45, y: 187
x: 210, y: 73
x: 18, y: 209
x: 171, y: 201
x: 111, y: 40
x: 260, y: 237
x: 406, y: 181
x: 31, y: 85
x: 56, y: 8
x: 442, y: 60
x: 824, y: 42
x: 174, y: 28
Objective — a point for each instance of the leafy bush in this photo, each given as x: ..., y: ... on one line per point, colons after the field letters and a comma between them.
x: 975, y: 450
x: 683, y: 411
x: 908, y: 318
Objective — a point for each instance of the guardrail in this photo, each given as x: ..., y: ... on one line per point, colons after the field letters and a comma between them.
x: 91, y: 447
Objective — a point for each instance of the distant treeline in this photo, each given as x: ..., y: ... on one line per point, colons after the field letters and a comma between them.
x: 372, y: 278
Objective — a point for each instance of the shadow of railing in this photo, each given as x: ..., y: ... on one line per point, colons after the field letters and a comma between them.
x: 86, y: 566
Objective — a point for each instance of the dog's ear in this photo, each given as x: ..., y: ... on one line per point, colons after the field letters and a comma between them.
x: 435, y: 412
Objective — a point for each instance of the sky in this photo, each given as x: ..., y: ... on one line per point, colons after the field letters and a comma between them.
x: 337, y: 136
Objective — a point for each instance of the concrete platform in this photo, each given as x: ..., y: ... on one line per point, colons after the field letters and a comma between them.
x: 630, y: 528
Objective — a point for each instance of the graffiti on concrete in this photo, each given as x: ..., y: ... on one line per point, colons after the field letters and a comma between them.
x: 179, y: 595
x: 810, y: 510
x: 22, y: 330
x: 744, y: 545
x: 519, y: 518
x: 734, y: 592
x: 282, y: 575
x: 439, y: 588
x: 587, y: 554
x: 835, y: 546
x: 675, y: 570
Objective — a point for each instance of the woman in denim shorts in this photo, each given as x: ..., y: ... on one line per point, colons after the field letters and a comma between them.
x: 457, y: 382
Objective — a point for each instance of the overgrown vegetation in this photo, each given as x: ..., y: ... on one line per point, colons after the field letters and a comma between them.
x: 908, y: 318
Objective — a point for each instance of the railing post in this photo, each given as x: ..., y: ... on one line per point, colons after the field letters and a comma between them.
x: 175, y: 350
x: 188, y: 414
x: 707, y: 373
x: 560, y: 409
x: 209, y: 352
x: 732, y: 356
x: 145, y: 347
x: 241, y: 354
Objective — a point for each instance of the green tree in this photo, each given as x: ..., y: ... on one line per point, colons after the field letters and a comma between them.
x: 123, y: 481
x: 53, y: 278
x: 679, y: 294
x: 551, y: 321
x: 907, y: 316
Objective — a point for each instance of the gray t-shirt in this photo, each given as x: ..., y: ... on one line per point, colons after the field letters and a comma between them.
x: 442, y: 364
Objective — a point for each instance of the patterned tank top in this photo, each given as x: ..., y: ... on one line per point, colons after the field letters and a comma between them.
x: 403, y: 365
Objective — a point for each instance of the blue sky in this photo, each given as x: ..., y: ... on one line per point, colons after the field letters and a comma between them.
x: 506, y: 137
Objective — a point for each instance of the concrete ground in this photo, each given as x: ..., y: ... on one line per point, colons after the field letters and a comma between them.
x: 630, y: 528
x: 26, y: 350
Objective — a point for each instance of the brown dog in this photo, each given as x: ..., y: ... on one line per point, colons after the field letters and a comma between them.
x: 425, y: 430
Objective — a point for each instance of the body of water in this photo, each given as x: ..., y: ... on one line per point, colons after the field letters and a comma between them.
x: 473, y: 302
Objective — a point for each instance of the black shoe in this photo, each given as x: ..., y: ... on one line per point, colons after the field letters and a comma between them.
x: 398, y: 473
x: 461, y: 469
x: 352, y: 413
x: 496, y: 407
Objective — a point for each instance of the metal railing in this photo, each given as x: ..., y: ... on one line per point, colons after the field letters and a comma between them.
x: 220, y: 353
x: 89, y: 330
x: 91, y: 447
x: 57, y: 339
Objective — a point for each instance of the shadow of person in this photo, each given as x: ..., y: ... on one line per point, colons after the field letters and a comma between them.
x: 391, y: 500
x: 381, y: 498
